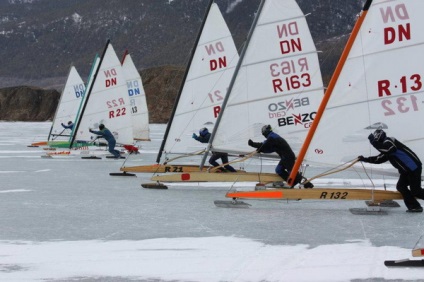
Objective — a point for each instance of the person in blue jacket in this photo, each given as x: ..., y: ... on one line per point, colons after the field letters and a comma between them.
x: 106, y: 134
x: 70, y: 125
x: 275, y: 143
x: 405, y: 161
x: 204, y: 136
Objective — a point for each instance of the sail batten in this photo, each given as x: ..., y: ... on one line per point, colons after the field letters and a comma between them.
x: 253, y: 63
x: 295, y: 94
x: 280, y: 21
x: 384, y: 51
x: 222, y: 72
x: 205, y: 43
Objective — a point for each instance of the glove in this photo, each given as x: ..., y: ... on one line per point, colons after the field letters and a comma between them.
x: 250, y: 143
x: 62, y: 124
x: 194, y: 136
x: 371, y: 138
x: 361, y: 159
x: 91, y: 131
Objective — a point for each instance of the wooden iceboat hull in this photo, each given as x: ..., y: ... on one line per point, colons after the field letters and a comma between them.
x: 162, y: 168
x: 318, y: 194
x: 217, y: 177
x: 418, y: 252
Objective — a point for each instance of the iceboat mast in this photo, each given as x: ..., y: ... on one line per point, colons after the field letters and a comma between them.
x: 329, y: 92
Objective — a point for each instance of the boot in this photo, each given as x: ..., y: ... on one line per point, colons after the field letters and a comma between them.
x: 308, y: 185
x: 297, y: 180
x: 419, y: 209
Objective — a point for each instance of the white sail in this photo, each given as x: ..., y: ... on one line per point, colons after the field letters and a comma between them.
x: 381, y: 84
x: 107, y: 102
x: 68, y: 105
x: 278, y: 82
x: 207, y: 80
x: 94, y: 67
x: 137, y: 98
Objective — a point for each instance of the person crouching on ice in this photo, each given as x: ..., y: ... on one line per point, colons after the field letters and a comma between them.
x: 111, y: 141
x: 275, y: 143
x: 407, y: 163
x: 204, y: 138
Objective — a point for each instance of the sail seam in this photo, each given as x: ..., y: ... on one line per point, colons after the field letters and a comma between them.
x: 217, y: 39
x: 272, y: 97
x: 220, y: 71
x: 291, y: 57
x: 385, y: 51
x: 279, y: 21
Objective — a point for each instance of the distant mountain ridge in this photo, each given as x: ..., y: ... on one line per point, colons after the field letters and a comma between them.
x: 40, y: 39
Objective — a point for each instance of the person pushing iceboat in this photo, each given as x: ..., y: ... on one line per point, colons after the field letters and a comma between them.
x: 407, y: 163
x: 106, y: 134
x: 275, y: 143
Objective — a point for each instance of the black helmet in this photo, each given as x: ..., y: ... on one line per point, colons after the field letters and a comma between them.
x: 266, y: 130
x: 101, y: 126
x: 379, y: 135
x: 203, y: 131
x: 69, y: 122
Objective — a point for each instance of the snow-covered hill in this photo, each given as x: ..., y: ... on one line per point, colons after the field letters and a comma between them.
x: 40, y: 39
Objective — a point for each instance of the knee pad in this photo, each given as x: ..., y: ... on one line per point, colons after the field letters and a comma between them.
x: 279, y: 169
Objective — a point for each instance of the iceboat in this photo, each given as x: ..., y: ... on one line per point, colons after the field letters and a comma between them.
x: 377, y: 83
x: 208, y: 74
x: 106, y: 102
x: 66, y: 111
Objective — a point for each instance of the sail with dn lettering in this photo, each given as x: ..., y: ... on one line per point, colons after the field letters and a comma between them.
x: 137, y: 99
x: 278, y: 82
x: 66, y: 111
x: 208, y: 74
x: 205, y: 85
x: 72, y: 94
x: 106, y: 102
x: 379, y: 85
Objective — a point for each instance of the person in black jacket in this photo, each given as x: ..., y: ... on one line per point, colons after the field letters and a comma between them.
x: 275, y: 143
x: 106, y: 134
x: 407, y: 163
x: 204, y: 136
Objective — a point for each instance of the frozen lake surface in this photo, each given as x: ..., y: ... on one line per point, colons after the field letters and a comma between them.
x: 66, y: 219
